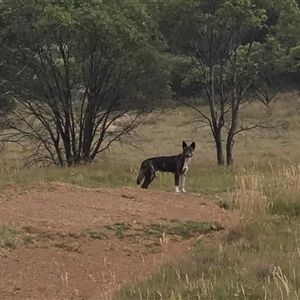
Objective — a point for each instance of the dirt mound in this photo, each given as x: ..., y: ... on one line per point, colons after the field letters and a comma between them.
x: 68, y: 242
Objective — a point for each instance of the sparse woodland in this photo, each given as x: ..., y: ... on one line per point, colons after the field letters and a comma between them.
x: 72, y: 70
x: 90, y: 88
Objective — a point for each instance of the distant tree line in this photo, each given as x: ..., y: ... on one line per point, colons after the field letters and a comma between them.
x: 79, y: 75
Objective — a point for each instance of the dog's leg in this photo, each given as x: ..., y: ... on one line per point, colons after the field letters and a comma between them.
x: 177, y: 177
x: 145, y: 184
x: 149, y: 177
x: 152, y: 176
x: 147, y: 180
x: 182, y: 182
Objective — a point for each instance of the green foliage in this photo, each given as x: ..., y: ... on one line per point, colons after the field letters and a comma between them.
x: 77, y: 67
x: 294, y: 59
x: 235, y: 49
x: 283, y: 207
x: 225, y: 24
x: 286, y: 29
x: 119, y: 32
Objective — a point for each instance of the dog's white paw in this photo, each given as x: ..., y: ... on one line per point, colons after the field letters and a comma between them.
x: 183, y: 190
x: 177, y: 189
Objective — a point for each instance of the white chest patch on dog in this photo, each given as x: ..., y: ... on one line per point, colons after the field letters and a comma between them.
x: 186, y: 163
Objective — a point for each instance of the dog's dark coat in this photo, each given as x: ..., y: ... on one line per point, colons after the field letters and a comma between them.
x: 177, y: 164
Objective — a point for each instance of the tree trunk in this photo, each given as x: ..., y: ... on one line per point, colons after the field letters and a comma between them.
x: 229, y: 150
x: 235, y: 103
x: 218, y: 142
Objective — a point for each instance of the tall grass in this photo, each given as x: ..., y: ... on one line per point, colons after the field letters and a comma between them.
x: 276, y: 191
x: 257, y: 259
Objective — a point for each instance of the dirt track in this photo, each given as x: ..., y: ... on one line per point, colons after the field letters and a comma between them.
x: 53, y: 259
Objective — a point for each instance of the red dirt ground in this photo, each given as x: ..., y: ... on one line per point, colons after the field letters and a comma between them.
x: 87, y: 268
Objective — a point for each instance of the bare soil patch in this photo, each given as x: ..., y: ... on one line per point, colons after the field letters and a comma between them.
x: 79, y: 243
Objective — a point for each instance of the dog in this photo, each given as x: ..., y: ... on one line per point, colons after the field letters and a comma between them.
x: 177, y: 164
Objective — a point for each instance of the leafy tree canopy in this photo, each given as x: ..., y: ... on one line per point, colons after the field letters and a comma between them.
x: 89, y: 63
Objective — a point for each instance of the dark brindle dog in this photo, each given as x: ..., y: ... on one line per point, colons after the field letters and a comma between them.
x: 177, y: 164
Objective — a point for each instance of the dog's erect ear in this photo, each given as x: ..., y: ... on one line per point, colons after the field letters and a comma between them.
x: 184, y: 145
x: 193, y: 145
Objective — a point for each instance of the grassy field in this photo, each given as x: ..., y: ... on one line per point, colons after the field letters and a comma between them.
x: 258, y: 259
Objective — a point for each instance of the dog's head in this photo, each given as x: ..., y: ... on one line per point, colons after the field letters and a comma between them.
x: 188, y: 151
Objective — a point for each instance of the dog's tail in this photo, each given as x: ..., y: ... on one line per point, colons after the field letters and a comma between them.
x: 141, y: 173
